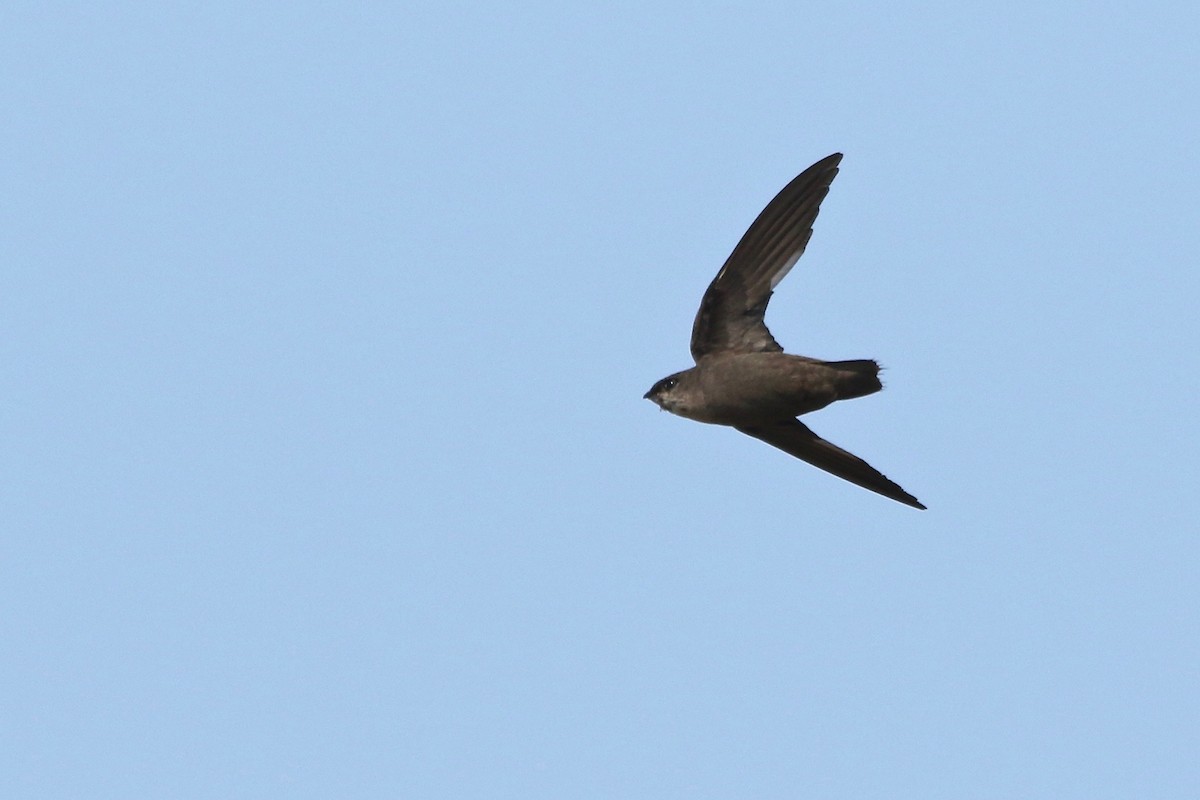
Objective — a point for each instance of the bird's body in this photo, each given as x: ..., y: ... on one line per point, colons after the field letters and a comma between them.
x: 742, y: 377
x: 744, y: 388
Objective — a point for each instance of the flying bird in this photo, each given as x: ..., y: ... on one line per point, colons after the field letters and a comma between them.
x: 742, y: 377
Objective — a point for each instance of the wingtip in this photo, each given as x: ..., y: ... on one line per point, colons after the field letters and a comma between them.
x: 904, y: 497
x: 900, y: 496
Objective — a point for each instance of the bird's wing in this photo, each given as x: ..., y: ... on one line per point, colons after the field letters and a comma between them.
x: 731, y: 314
x: 794, y: 438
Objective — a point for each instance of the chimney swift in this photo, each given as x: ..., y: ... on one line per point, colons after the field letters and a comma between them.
x: 742, y: 377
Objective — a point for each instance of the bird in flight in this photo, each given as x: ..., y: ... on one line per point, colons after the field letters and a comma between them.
x: 742, y: 377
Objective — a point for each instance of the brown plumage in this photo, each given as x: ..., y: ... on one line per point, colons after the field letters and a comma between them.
x: 742, y: 377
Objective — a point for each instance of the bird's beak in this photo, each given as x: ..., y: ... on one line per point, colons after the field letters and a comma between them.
x: 646, y: 396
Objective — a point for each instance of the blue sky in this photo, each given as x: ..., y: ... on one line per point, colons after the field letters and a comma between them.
x: 326, y: 468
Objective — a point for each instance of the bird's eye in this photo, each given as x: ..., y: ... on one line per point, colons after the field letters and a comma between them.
x: 669, y: 383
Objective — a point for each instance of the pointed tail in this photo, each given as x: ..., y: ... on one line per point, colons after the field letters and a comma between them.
x: 856, y: 378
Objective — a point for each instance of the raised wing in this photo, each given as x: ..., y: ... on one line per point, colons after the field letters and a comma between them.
x: 794, y: 438
x: 731, y: 314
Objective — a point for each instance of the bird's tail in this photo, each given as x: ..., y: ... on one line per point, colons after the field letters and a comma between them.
x: 856, y: 378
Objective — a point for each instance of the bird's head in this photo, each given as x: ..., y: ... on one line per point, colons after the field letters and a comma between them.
x: 670, y: 394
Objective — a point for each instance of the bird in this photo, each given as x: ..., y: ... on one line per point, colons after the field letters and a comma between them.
x: 742, y: 378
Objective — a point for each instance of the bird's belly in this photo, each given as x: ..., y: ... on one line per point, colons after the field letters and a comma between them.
x: 755, y: 409
x: 748, y: 392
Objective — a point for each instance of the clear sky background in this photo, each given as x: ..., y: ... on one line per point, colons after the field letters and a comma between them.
x: 326, y: 472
